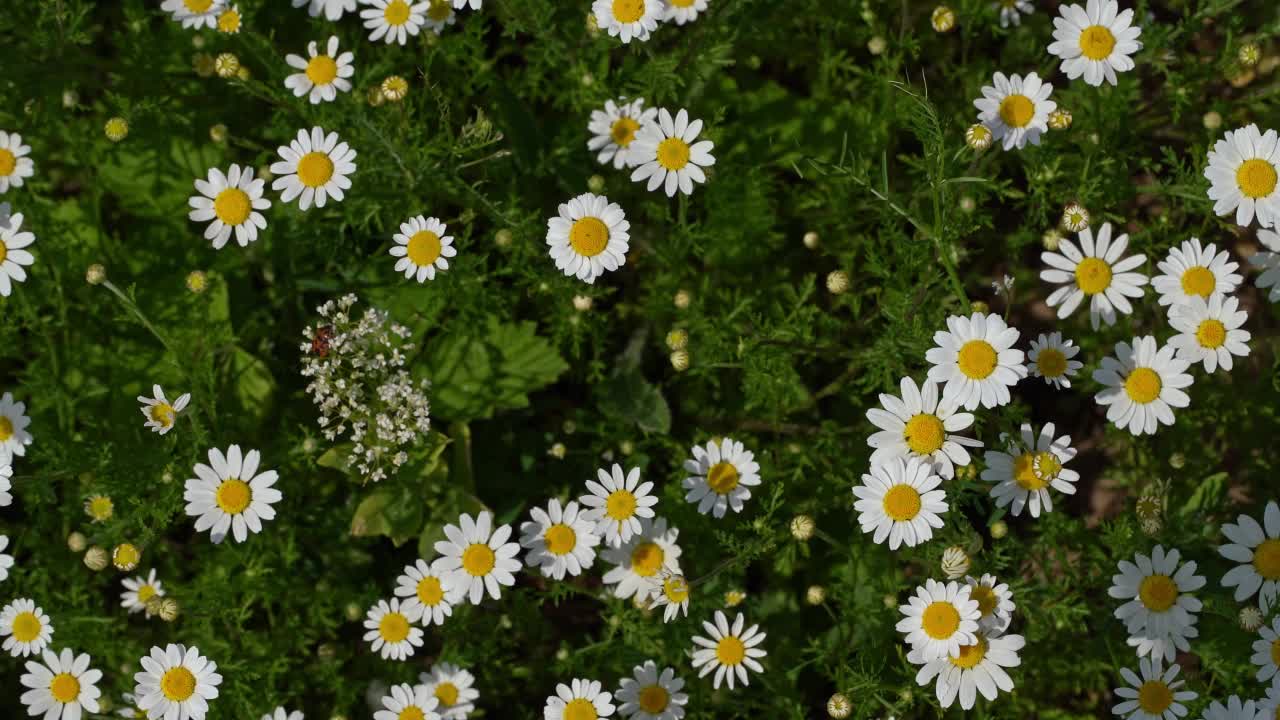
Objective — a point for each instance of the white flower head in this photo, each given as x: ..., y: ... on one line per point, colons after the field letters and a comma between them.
x: 1210, y: 332
x: 176, y: 682
x: 14, y: 437
x: 721, y: 476
x: 559, y: 540
x: 15, y: 166
x: 683, y: 11
x: 642, y: 562
x: 1194, y: 270
x: 1050, y: 358
x: 1155, y: 694
x: 1268, y: 261
x: 1266, y: 653
x: 995, y: 602
x: 980, y: 667
x: 1095, y: 41
x: 651, y: 694
x: 976, y: 358
x: 1142, y: 384
x: 138, y: 590
x: 313, y: 167
x: 25, y: 628
x: 230, y: 203
x: 426, y: 593
x: 672, y: 595
x: 394, y: 20
x: 1097, y: 271
x: 728, y: 650
x: 14, y: 253
x: 615, y: 128
x: 1016, y: 109
x: 900, y: 501
x: 669, y: 155
x: 324, y: 74
x: 230, y: 494
x: 64, y: 685
x: 195, y: 14
x: 1024, y: 475
x: 1011, y: 11
x: 159, y: 412
x: 1243, y: 176
x: 920, y: 425
x: 6, y: 560
x: 939, y: 619
x: 628, y: 19
x: 1257, y: 548
x: 1234, y: 709
x: 405, y: 701
x: 477, y: 557
x: 423, y: 248
x: 1159, y: 609
x: 579, y: 699
x: 390, y: 631
x: 453, y: 687
x: 440, y: 14
x: 618, y: 503
x: 588, y: 237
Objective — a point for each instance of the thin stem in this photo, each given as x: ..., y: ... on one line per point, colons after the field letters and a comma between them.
x: 137, y: 312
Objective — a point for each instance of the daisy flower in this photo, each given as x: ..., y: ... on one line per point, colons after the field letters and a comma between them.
x: 159, y: 412
x: 477, y: 558
x: 978, y: 668
x: 627, y: 19
x: 729, y: 651
x: 176, y: 681
x: 588, y: 237
x: 194, y: 13
x: 651, y: 695
x: 900, y: 501
x: 1024, y: 475
x: 918, y: 425
x: 683, y: 11
x: 976, y: 359
x: 423, y: 248
x: 63, y: 686
x: 332, y: 9
x: 640, y: 562
x: 722, y: 476
x: 313, y: 167
x: 452, y: 686
x: 323, y: 74
x: 439, y: 14
x: 138, y: 590
x: 1258, y: 553
x: 1016, y: 109
x: 130, y: 708
x: 1269, y: 707
x: 581, y: 700
x: 559, y: 540
x: 1095, y: 41
x: 408, y: 702
x: 617, y: 504
x: 614, y: 129
x: 1159, y: 611
x: 15, y: 166
x: 1050, y: 358
x: 25, y: 628
x: 1143, y: 383
x: 1235, y: 709
x: 665, y: 152
x: 231, y: 202
x: 6, y: 560
x: 14, y: 437
x: 1193, y: 271
x: 939, y: 619
x: 394, y: 20
x: 12, y: 255
x: 230, y: 494
x: 1011, y: 11
x: 1268, y: 261
x: 6, y: 472
x: 426, y: 592
x: 390, y: 631
x: 995, y: 602
x: 1097, y: 271
x: 230, y: 19
x: 1266, y: 651
x: 1242, y: 174
x: 1209, y: 332
x: 673, y: 596
x: 1153, y: 695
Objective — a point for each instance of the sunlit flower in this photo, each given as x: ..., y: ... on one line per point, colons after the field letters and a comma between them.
x: 14, y: 255
x: 138, y: 590
x: 408, y: 702
x: 580, y: 700
x: 920, y: 425
x: 1243, y: 171
x: 15, y: 166
x: 230, y: 202
x: 641, y: 563
x: 313, y: 167
x: 1024, y: 474
x: 1096, y: 271
x: 618, y: 503
x: 614, y: 130
x: 588, y: 237
x: 390, y: 630
x: 453, y: 687
x: 1159, y: 611
x: 426, y: 593
x: 1209, y: 332
x: 976, y: 358
x: 423, y: 248
x: 62, y: 686
x: 1050, y: 358
x: 559, y: 540
x: 176, y: 682
x: 394, y: 20
x: 1016, y: 109
x: 728, y: 650
x: 478, y: 557
x: 939, y: 619
x: 901, y: 502
x: 1095, y: 41
x: 669, y: 155
x: 1192, y: 270
x: 979, y: 668
x: 627, y: 19
x: 230, y: 494
x: 159, y: 412
x: 25, y: 628
x: 323, y: 74
x: 1257, y: 548
x: 195, y: 14
x: 1141, y: 385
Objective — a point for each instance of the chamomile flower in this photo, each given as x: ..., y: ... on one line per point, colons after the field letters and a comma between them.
x: 650, y: 694
x: 721, y: 477
x: 1242, y: 172
x: 995, y: 602
x: 627, y: 19
x: 1269, y: 707
x: 1095, y: 41
x: 25, y: 628
x: 453, y: 687
x: 683, y: 11
x: 919, y: 425
x: 13, y: 256
x: 614, y: 130
x: 14, y: 437
x: 176, y: 682
x: 939, y: 619
x: 138, y: 590
x: 63, y: 686
x: 1268, y: 261
x: 423, y: 248
x: 1209, y: 332
x: 394, y: 20
x: 1011, y: 11
x: 1142, y: 385
x: 559, y: 540
x: 477, y: 557
x: 230, y: 203
x: 323, y: 74
x: 1096, y: 271
x: 427, y: 593
x: 1193, y: 270
x: 6, y: 472
x: 230, y: 19
x: 617, y: 504
x: 1016, y: 109
x: 194, y: 13
x: 588, y: 237
x: 439, y: 15
x: 1257, y: 549
x: 976, y: 359
x: 15, y: 166
x: 6, y: 560
x: 1266, y: 651
x: 313, y: 167
x: 390, y: 629
x: 642, y: 561
x: 1234, y: 709
x: 408, y: 702
x: 230, y: 494
x: 669, y: 154
x: 1159, y: 611
x: 1050, y: 358
x: 332, y: 9
x: 672, y: 594
x: 978, y: 668
x: 729, y: 651
x: 900, y: 501
x: 1152, y: 695
x: 1024, y: 475
x: 159, y: 412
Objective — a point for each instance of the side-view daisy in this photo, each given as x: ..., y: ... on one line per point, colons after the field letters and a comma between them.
x: 138, y: 590
x: 721, y: 477
x: 1195, y: 270
x: 995, y: 602
x: 1266, y: 652
x: 332, y: 9
x: 683, y: 11
x: 1050, y: 358
x: 426, y: 593
x: 1141, y: 385
x: 159, y: 412
x: 1154, y: 694
x: 1159, y: 611
x: 313, y: 167
x: 559, y: 540
x: 478, y: 557
x: 627, y: 19
x: 62, y: 686
x: 323, y: 74
x: 13, y: 253
x: 672, y: 595
x: 230, y: 19
x: 14, y: 437
x: 1210, y: 332
x: 617, y: 504
x: 900, y: 501
x: 920, y: 425
x: 650, y: 694
x: 6, y: 560
x: 978, y: 668
x: 640, y: 563
x: 176, y: 682
x: 25, y: 628
x: 939, y: 619
x: 669, y: 155
x: 1257, y: 548
x: 390, y: 631
x: 614, y: 129
x: 394, y: 20
x: 976, y: 359
x: 1096, y: 271
x: 1234, y: 709
x: 1243, y: 170
x: 423, y: 248
x: 1016, y: 109
x: 408, y: 702
x: 195, y: 14
x: 230, y: 494
x: 1268, y: 261
x: 453, y: 687
x: 728, y: 650
x: 15, y: 166
x: 588, y: 237
x: 1024, y: 475
x: 439, y: 15
x: 230, y: 203
x: 1095, y: 41
x: 1011, y: 11
x: 579, y: 700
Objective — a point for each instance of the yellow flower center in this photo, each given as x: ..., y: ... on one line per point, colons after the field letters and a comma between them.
x: 198, y: 6
x: 439, y: 11
x: 100, y: 507
x: 1017, y: 110
x: 654, y: 698
x: 1051, y: 363
x: 429, y: 591
x: 4, y: 249
x: 394, y: 627
x: 65, y: 688
x: 1093, y: 275
x: 1211, y: 334
x: 624, y: 131
x: 6, y: 425
x: 722, y: 477
x: 730, y: 651
x: 1097, y: 42
x: 970, y: 655
x: 1028, y: 476
x: 902, y: 503
x: 1158, y: 592
x: 682, y: 3
x: 413, y: 712
x: 646, y: 559
x: 673, y: 154
x: 321, y: 70
x: 676, y: 589
x: 1275, y: 652
x: 940, y: 620
x: 478, y: 559
x: 1143, y: 385
x: 163, y: 414
x: 589, y: 236
x: 986, y: 597
x: 560, y: 539
x: 145, y: 593
x: 1154, y: 697
x: 1199, y: 280
x: 26, y: 627
x: 627, y: 11
x: 229, y: 21
x: 178, y: 684
x: 1266, y: 560
x: 234, y: 496
x: 8, y: 162
x: 396, y: 12
x: 424, y: 248
x: 924, y: 434
x: 315, y: 169
x: 232, y: 206
x: 447, y: 693
x: 125, y: 556
x: 1256, y: 178
x: 977, y: 359
x: 620, y: 505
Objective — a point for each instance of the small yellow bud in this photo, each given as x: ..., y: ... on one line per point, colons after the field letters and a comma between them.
x: 76, y: 542
x: 197, y: 281
x: 978, y: 137
x: 226, y: 65
x: 395, y: 88
x: 680, y: 360
x: 116, y: 129
x: 682, y: 299
x: 503, y: 238
x: 943, y: 19
x: 95, y: 274
x: 677, y: 339
x: 95, y: 558
x: 999, y: 529
x: 839, y: 707
x: 125, y: 556
x: 838, y: 282
x: 802, y: 527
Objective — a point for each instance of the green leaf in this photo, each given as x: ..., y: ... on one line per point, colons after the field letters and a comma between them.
x: 252, y: 383
x: 627, y: 397
x: 474, y: 376
x: 336, y: 457
x: 1207, y: 496
x: 370, y: 518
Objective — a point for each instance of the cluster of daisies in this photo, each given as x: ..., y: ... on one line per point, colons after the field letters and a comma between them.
x: 15, y: 166
x: 630, y: 20
x: 391, y: 21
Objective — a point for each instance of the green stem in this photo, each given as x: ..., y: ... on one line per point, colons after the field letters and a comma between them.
x: 137, y: 312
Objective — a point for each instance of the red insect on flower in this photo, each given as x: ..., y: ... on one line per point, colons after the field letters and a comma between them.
x: 320, y: 343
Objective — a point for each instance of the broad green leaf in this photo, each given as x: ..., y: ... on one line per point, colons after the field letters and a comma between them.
x: 252, y: 383
x: 474, y: 376
x: 627, y: 397
x: 1207, y: 495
